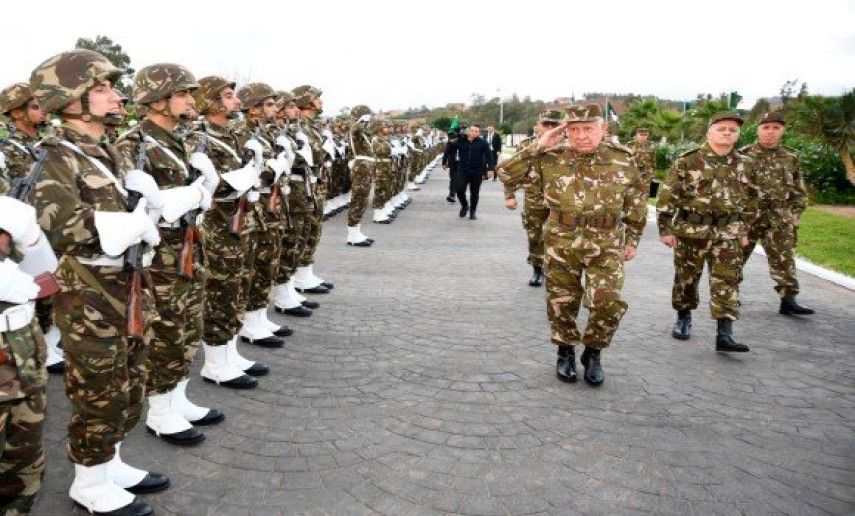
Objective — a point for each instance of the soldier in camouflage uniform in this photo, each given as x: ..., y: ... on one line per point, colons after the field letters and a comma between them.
x: 22, y: 362
x: 183, y: 185
x: 229, y: 229
x: 361, y: 172
x: 384, y: 173
x: 416, y: 144
x: 259, y: 105
x: 83, y: 208
x: 17, y: 150
x: 782, y: 200
x: 645, y: 155
x: 308, y: 99
x: 597, y: 213
x: 535, y: 212
x: 704, y: 210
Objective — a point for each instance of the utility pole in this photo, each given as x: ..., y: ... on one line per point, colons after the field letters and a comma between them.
x: 501, y: 107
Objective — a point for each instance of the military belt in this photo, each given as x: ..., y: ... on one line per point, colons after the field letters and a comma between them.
x: 709, y: 219
x: 17, y: 317
x: 609, y: 221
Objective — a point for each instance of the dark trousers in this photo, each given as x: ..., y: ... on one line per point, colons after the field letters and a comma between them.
x: 452, y: 182
x: 495, y: 162
x: 474, y: 184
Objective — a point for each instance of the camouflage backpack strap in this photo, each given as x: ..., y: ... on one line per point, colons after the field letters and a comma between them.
x: 97, y: 164
x: 171, y: 155
x: 87, y: 278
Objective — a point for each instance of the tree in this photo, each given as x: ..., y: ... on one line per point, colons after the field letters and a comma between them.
x: 443, y: 123
x: 831, y: 120
x: 114, y: 53
x: 652, y: 114
x: 760, y: 107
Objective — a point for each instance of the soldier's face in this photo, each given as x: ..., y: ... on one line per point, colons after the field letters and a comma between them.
x: 723, y: 133
x: 229, y: 100
x: 269, y: 108
x: 318, y: 104
x: 292, y: 111
x: 182, y: 105
x: 34, y: 114
x: 585, y: 137
x: 641, y: 137
x: 103, y: 99
x: 770, y: 134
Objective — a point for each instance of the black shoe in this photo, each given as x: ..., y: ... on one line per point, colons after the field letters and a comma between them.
x: 724, y: 341
x: 536, y: 277
x: 384, y: 221
x: 320, y: 289
x: 152, y: 483
x: 789, y: 306
x: 565, y: 366
x: 310, y: 304
x: 257, y: 369
x: 463, y: 211
x: 472, y: 216
x: 683, y: 327
x: 364, y: 243
x: 297, y: 311
x: 213, y: 417
x: 449, y: 199
x: 266, y: 342
x: 135, y: 508
x: 283, y: 331
x: 187, y: 437
x: 590, y: 360
x: 327, y: 284
x: 57, y: 368
x: 241, y: 382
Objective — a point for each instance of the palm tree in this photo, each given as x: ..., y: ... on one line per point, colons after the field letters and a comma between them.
x: 831, y: 120
x: 652, y: 114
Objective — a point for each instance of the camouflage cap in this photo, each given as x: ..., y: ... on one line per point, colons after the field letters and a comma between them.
x: 208, y: 92
x: 550, y: 116
x: 642, y: 130
x: 159, y: 81
x: 14, y: 96
x: 583, y: 113
x: 254, y: 93
x: 304, y: 95
x: 773, y: 116
x: 726, y: 115
x: 359, y: 111
x: 284, y: 97
x: 66, y: 77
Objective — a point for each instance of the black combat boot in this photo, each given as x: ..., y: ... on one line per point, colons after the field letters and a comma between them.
x: 590, y: 360
x: 789, y: 306
x: 536, y: 277
x: 565, y: 366
x: 724, y: 340
x: 683, y: 326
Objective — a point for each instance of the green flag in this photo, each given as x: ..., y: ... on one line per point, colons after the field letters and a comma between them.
x: 455, y: 123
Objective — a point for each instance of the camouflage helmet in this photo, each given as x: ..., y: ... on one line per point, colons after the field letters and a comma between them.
x: 254, y: 93
x: 359, y: 111
x: 66, y: 77
x: 305, y: 95
x: 159, y: 81
x: 550, y: 116
x: 377, y: 125
x: 283, y: 98
x: 14, y: 96
x: 208, y: 92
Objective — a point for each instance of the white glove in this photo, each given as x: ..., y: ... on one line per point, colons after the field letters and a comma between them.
x: 207, y: 197
x: 364, y: 118
x: 139, y: 181
x: 119, y: 230
x: 2, y: 161
x: 19, y: 220
x: 242, y: 179
x: 181, y: 199
x: 257, y: 150
x: 279, y: 165
x: 203, y: 164
x: 150, y: 234
x: 253, y: 196
x: 15, y: 286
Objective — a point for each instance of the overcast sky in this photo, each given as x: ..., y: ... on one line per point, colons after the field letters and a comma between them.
x: 400, y: 54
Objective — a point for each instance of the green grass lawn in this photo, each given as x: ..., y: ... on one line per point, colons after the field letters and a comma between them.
x: 828, y: 239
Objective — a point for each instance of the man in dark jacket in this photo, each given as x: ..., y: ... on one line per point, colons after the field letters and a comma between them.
x: 449, y: 162
x: 495, y: 143
x: 474, y: 160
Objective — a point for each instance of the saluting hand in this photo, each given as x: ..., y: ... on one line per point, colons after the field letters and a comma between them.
x: 669, y: 240
x: 511, y: 204
x: 552, y: 137
x: 628, y: 253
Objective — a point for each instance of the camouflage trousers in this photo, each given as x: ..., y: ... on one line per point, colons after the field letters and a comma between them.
x: 179, y: 302
x: 584, y: 266
x: 533, y: 218
x: 105, y: 373
x: 360, y: 180
x: 293, y: 241
x: 44, y: 313
x: 724, y: 260
x: 314, y: 221
x: 267, y: 245
x: 384, y: 179
x: 778, y: 238
x: 416, y: 166
x: 22, y: 462
x: 229, y: 259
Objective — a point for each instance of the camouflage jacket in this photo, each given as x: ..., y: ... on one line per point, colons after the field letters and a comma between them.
x: 645, y: 157
x: 708, y: 196
x: 605, y: 182
x: 533, y: 196
x: 24, y: 374
x: 71, y: 189
x: 381, y: 148
x: 18, y: 151
x: 360, y: 142
x: 304, y: 125
x: 777, y: 174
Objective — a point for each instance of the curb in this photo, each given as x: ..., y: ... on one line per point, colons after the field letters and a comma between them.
x: 838, y: 278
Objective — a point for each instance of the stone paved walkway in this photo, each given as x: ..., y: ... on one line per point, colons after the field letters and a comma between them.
x: 425, y: 384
